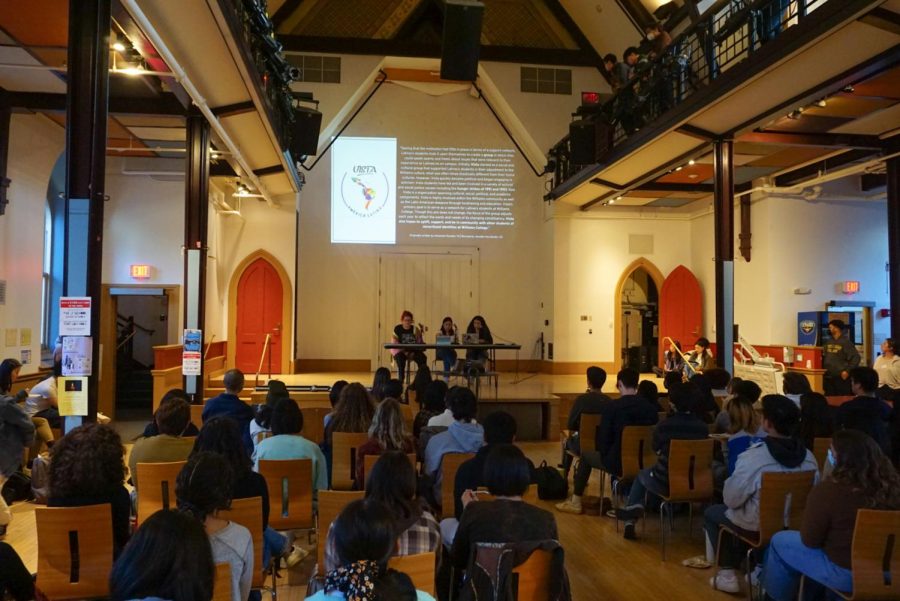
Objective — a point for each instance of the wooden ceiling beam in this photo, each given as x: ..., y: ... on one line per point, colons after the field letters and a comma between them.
x: 813, y: 139
x: 166, y: 104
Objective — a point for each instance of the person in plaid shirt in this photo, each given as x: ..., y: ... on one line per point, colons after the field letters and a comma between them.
x: 393, y: 482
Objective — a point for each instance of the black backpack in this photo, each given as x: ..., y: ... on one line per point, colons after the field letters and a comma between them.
x: 551, y: 484
x: 17, y: 488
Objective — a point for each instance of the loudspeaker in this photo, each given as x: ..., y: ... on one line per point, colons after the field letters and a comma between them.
x: 590, y: 141
x: 462, y: 39
x: 305, y: 136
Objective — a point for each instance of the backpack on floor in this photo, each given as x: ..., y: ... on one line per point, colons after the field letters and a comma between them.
x: 551, y: 484
x: 17, y: 488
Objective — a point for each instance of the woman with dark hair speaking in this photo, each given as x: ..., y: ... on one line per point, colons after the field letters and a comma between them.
x: 478, y: 332
x: 406, y: 332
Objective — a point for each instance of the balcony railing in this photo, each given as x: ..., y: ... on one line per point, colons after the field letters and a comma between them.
x: 729, y: 33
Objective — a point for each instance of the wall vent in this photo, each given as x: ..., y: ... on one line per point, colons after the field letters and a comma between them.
x: 2, y: 292
x: 640, y: 244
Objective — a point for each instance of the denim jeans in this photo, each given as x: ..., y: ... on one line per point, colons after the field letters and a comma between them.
x: 733, y: 549
x: 273, y: 544
x: 788, y: 558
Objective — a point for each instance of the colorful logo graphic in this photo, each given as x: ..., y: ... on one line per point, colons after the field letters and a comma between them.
x: 364, y: 190
x: 807, y: 326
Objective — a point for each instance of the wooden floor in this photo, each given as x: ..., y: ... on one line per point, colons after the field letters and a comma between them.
x: 600, y: 564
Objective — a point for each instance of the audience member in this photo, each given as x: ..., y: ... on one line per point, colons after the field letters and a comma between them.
x: 839, y: 356
x: 419, y: 384
x: 625, y: 69
x: 610, y: 65
x: 865, y: 412
x: 15, y: 580
x: 445, y: 418
x: 353, y: 413
x: 171, y: 419
x: 387, y: 433
x: 9, y: 373
x: 152, y: 429
x: 628, y: 410
x: 203, y: 488
x: 431, y: 403
x: 382, y: 375
x: 816, y: 418
x: 718, y: 381
x: 887, y: 365
x: 261, y: 424
x: 364, y: 539
x: 87, y: 468
x: 745, y: 389
x: 229, y: 405
x: 795, y: 385
x: 682, y: 424
x: 169, y: 557
x: 648, y: 390
x: 743, y: 429
x: 659, y: 39
x: 862, y: 478
x: 707, y: 407
x: 334, y: 396
x: 464, y: 435
x: 43, y: 400
x: 779, y: 451
x: 16, y: 434
x: 393, y: 389
x: 590, y: 402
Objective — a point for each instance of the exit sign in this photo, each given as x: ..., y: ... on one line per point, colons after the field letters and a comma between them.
x: 850, y: 287
x: 140, y: 272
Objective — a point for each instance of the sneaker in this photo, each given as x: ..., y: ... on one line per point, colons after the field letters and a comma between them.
x: 569, y: 506
x: 725, y: 581
x: 629, y: 533
x: 630, y: 513
x: 753, y: 577
x: 297, y: 555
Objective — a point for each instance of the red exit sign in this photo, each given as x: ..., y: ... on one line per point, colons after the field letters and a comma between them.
x: 850, y: 287
x: 140, y: 272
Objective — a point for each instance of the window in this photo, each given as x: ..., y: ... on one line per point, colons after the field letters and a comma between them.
x: 541, y: 80
x: 317, y: 69
x: 45, y: 278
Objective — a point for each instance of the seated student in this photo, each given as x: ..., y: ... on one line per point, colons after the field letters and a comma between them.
x: 353, y: 413
x: 171, y: 419
x: 650, y: 392
x: 221, y: 435
x: 393, y: 483
x: 779, y: 451
x: 862, y: 478
x: 628, y: 410
x: 382, y: 375
x: 287, y: 443
x: 152, y: 429
x: 499, y: 428
x: 16, y: 434
x: 261, y: 422
x: 507, y: 519
x: 746, y: 389
x: 718, y: 381
x: 743, y: 430
x: 203, y: 488
x: 816, y: 418
x: 419, y: 384
x: 443, y: 419
x: 708, y: 408
x: 15, y: 579
x: 590, y: 402
x: 333, y: 396
x: 87, y: 467
x: 683, y: 424
x: 364, y: 539
x: 865, y: 412
x: 387, y: 433
x: 169, y: 557
x: 464, y: 435
x: 431, y: 403
x: 393, y: 389
x: 43, y: 400
x: 229, y: 405
x: 795, y: 385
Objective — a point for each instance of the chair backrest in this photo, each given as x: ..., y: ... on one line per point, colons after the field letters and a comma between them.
x: 331, y: 503
x: 409, y: 415
x: 450, y: 463
x: 75, y: 551
x: 530, y: 496
x: 420, y: 569
x: 314, y: 423
x: 222, y: 583
x: 197, y: 416
x: 290, y: 485
x: 820, y: 451
x: 587, y: 431
x: 875, y: 555
x: 690, y: 469
x: 637, y: 450
x: 343, y: 458
x: 156, y: 487
x: 782, y: 499
x: 532, y: 577
x: 248, y: 513
x: 369, y: 461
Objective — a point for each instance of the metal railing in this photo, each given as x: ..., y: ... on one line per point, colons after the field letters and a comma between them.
x: 729, y: 33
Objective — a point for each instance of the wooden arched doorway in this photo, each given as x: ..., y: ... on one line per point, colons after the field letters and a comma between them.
x: 260, y: 305
x: 651, y: 279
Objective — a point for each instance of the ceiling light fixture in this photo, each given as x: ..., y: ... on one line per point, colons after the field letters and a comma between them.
x: 118, y: 47
x: 679, y: 167
x: 691, y: 162
x: 822, y: 103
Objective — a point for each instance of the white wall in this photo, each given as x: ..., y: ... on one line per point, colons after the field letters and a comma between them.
x: 35, y: 145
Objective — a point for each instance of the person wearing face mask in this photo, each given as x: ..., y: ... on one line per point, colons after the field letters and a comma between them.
x: 839, y: 356
x: 659, y: 39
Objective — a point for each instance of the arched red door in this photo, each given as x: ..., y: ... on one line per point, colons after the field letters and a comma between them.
x: 680, y: 310
x: 259, y: 312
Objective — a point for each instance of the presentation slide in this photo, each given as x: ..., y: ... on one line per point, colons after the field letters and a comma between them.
x: 385, y: 193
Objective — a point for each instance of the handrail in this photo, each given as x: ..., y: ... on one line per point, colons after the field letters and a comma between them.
x: 127, y: 338
x: 130, y: 321
x: 208, y: 346
x: 263, y: 356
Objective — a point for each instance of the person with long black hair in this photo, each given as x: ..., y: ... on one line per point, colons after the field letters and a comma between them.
x: 478, y: 332
x: 446, y: 354
x: 9, y: 373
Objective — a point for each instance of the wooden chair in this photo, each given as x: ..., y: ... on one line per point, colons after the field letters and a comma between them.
x: 75, y: 551
x: 290, y: 484
x: 343, y: 458
x: 820, y: 451
x: 331, y: 503
x: 156, y: 487
x: 782, y: 499
x: 588, y: 428
x: 532, y: 577
x: 222, y: 583
x: 690, y: 481
x: 874, y: 556
x: 314, y: 423
x: 637, y: 454
x: 450, y: 463
x: 197, y: 416
x: 530, y: 496
x: 248, y: 513
x: 409, y: 415
x: 369, y: 461
x: 420, y: 568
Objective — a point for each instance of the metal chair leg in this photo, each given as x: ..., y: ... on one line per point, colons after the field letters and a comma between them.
x: 716, y: 562
x: 662, y: 528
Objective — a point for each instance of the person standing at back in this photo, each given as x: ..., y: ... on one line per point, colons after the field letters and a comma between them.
x: 888, y: 367
x: 590, y: 402
x: 229, y: 405
x: 839, y: 356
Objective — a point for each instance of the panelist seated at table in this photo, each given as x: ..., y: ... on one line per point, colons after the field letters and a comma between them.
x: 406, y: 332
x: 445, y: 354
x: 478, y: 332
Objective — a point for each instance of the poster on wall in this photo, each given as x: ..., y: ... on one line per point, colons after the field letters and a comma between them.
x: 25, y: 337
x: 191, y: 356
x: 72, y: 393
x: 25, y: 356
x: 77, y: 356
x: 75, y: 316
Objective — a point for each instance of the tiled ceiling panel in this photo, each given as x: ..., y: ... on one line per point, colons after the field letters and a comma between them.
x: 792, y: 156
x: 42, y: 23
x: 845, y: 105
x: 27, y: 80
x: 689, y: 175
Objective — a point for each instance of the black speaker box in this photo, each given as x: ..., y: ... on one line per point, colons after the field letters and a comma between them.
x: 590, y: 141
x: 305, y: 137
x: 462, y: 39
